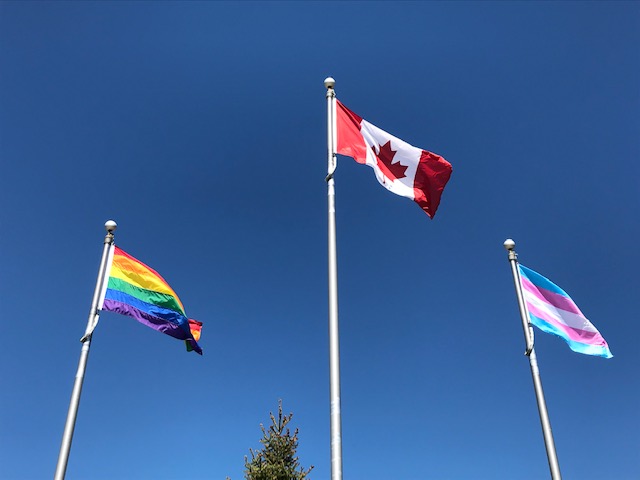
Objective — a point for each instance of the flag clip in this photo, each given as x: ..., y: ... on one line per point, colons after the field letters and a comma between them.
x: 530, y: 341
x: 88, y: 334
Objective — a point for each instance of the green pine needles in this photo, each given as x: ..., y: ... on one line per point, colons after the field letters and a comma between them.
x: 277, y: 460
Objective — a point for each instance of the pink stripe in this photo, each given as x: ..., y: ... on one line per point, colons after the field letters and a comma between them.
x: 575, y: 334
x: 554, y: 299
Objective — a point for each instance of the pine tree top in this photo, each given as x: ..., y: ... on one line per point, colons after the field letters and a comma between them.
x: 277, y: 460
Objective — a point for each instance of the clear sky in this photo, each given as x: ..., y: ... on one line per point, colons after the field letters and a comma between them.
x: 201, y: 129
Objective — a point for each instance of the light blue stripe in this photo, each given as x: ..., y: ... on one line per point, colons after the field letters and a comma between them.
x: 595, y: 350
x: 540, y: 281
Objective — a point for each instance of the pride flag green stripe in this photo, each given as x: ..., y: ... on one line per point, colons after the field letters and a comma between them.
x: 149, y: 296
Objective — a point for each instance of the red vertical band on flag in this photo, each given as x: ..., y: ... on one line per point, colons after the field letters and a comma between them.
x: 432, y: 175
x: 349, y: 141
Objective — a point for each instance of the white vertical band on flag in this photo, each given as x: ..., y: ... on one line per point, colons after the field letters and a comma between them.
x: 404, y: 155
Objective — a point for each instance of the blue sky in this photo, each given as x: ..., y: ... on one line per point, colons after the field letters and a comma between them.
x: 200, y: 128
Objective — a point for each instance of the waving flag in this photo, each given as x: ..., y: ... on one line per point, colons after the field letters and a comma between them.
x: 553, y: 311
x: 399, y: 167
x: 196, y: 328
x: 138, y: 291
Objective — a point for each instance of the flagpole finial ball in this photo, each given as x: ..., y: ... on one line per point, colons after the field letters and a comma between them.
x: 329, y: 82
x: 110, y: 226
x: 509, y: 244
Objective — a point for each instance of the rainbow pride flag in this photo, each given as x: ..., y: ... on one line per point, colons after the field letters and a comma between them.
x: 138, y: 291
x: 553, y: 311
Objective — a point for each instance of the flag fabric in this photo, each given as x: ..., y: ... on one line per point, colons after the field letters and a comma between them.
x: 399, y: 167
x: 196, y: 328
x: 552, y: 311
x: 138, y: 291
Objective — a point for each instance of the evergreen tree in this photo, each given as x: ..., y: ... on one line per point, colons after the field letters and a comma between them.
x: 277, y: 460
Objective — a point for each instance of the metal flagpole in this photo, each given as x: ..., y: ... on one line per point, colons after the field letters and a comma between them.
x: 334, y: 344
x: 552, y: 457
x: 65, y: 447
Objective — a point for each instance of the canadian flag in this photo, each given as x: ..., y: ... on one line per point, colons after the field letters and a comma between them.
x: 401, y: 168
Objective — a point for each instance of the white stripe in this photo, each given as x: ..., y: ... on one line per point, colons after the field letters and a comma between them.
x: 561, y: 316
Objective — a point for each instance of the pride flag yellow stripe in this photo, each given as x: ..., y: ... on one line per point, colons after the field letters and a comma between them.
x: 130, y: 270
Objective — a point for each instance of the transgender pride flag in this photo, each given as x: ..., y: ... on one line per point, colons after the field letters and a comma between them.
x: 553, y: 311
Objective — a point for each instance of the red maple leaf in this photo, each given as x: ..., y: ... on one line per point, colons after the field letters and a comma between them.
x: 385, y: 156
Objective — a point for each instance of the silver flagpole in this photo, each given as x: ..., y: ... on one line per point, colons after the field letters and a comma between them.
x: 65, y: 447
x: 334, y: 343
x: 552, y: 457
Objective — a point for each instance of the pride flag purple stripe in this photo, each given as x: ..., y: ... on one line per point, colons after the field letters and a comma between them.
x: 173, y: 329
x: 553, y: 311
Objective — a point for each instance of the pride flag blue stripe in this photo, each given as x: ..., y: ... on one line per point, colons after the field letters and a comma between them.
x: 164, y: 314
